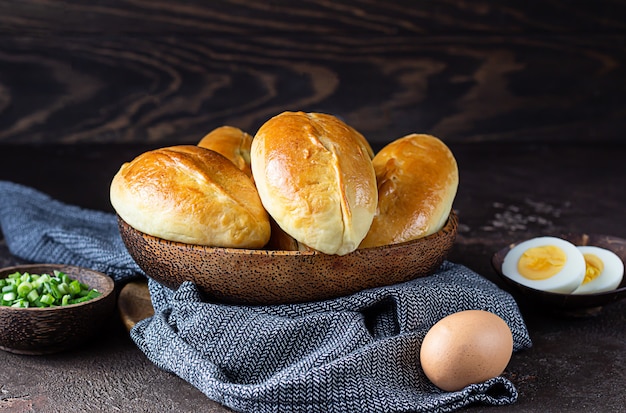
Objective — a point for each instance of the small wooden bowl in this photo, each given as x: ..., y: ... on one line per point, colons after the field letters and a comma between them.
x: 244, y: 276
x: 576, y: 304
x: 37, y: 331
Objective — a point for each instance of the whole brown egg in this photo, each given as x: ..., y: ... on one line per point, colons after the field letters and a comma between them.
x: 465, y: 348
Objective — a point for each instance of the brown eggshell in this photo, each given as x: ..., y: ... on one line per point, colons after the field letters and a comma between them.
x: 465, y: 348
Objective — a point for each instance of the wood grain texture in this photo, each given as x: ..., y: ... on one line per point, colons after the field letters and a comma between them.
x: 319, y: 17
x: 134, y: 303
x: 140, y: 71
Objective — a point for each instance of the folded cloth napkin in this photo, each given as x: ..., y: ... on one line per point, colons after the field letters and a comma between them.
x: 358, y: 353
x: 40, y: 229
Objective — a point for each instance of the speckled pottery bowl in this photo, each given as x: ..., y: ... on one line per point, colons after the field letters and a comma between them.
x: 245, y: 276
x: 36, y: 331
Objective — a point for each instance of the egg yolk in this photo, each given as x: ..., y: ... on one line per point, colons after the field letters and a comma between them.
x: 540, y: 263
x: 593, y: 267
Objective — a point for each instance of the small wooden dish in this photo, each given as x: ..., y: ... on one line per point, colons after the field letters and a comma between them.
x: 134, y: 303
x: 244, y: 276
x: 37, y: 331
x: 569, y: 303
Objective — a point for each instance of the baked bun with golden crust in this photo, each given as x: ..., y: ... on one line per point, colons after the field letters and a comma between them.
x: 280, y: 240
x: 417, y: 178
x: 192, y: 195
x: 365, y: 145
x: 231, y: 142
x: 315, y: 178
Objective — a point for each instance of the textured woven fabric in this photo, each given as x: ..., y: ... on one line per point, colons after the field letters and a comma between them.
x: 354, y: 354
x: 40, y: 229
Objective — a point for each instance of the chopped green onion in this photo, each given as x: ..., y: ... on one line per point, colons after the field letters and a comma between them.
x: 63, y: 288
x: 34, y: 290
x: 54, y: 291
x: 80, y: 300
x: 93, y: 293
x: 20, y: 303
x: 75, y: 287
x: 32, y: 296
x: 24, y: 288
x: 47, y: 299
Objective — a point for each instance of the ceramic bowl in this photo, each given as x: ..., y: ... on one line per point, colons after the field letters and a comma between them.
x: 244, y: 276
x: 49, y: 330
x: 568, y: 302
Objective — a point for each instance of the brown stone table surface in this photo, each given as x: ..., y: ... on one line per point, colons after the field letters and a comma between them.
x: 508, y: 192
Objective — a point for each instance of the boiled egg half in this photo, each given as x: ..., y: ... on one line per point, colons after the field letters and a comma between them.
x: 555, y: 265
x: 604, y: 270
x: 545, y: 263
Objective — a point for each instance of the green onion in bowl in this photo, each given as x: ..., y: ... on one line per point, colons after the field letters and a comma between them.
x: 24, y: 290
x: 44, y: 330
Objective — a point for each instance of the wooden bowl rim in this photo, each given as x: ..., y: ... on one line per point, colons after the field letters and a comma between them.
x: 110, y: 286
x: 450, y: 225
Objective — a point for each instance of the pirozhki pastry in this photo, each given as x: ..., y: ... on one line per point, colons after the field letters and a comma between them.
x: 315, y: 177
x: 417, y: 178
x: 192, y: 195
x: 231, y: 142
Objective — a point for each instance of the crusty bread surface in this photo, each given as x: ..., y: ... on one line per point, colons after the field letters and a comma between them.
x: 315, y: 177
x: 231, y: 142
x: 190, y: 194
x: 417, y: 178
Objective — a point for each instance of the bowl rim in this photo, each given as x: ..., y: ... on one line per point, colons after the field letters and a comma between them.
x: 450, y: 225
x: 565, y: 300
x: 21, y: 268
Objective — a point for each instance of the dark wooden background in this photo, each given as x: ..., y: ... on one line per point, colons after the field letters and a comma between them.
x: 166, y: 72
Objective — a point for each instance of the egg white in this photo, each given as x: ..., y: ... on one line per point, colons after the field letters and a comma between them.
x: 565, y: 281
x: 610, y: 277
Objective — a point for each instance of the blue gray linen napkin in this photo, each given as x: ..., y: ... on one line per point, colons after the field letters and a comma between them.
x: 354, y: 354
x: 41, y: 229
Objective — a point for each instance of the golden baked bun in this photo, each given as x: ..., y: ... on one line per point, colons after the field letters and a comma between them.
x: 281, y: 241
x: 192, y: 195
x: 315, y: 178
x: 365, y: 145
x: 417, y: 178
x: 231, y: 142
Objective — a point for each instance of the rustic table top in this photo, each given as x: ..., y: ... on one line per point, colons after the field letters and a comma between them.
x: 507, y: 192
x: 530, y: 96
